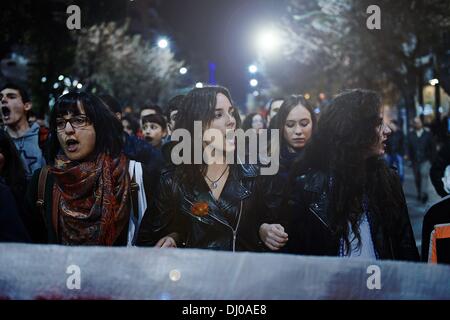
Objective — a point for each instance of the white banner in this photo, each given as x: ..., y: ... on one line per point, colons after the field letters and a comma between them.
x: 59, y: 272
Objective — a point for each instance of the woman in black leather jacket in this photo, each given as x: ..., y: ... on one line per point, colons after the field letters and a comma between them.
x: 210, y: 206
x: 344, y: 199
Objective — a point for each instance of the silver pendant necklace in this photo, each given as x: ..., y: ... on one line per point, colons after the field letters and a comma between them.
x: 213, y: 183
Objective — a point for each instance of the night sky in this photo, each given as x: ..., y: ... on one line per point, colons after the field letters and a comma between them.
x: 221, y: 32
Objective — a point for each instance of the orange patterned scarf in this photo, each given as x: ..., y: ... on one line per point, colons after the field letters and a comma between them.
x: 94, y: 200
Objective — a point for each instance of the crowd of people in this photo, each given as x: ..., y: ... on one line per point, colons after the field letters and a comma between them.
x: 102, y: 175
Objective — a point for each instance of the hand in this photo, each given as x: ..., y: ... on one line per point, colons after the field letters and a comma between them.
x: 273, y: 236
x: 166, y: 242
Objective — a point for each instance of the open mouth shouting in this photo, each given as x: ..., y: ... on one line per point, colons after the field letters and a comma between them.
x: 6, y: 112
x: 72, y: 145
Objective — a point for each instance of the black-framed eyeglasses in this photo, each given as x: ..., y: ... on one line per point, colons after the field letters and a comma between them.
x: 76, y: 122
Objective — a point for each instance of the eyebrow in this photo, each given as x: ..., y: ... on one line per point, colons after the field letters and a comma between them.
x: 221, y: 109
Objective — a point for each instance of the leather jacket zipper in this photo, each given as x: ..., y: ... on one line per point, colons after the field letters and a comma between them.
x: 237, y: 226
x: 318, y: 217
x: 233, y: 230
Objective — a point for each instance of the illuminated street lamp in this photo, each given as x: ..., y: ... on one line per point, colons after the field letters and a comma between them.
x: 252, y: 68
x: 183, y: 70
x: 268, y: 41
x: 163, y: 43
x: 199, y: 85
x: 253, y: 82
x: 433, y: 82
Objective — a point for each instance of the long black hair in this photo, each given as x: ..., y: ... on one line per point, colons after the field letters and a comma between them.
x: 346, y: 133
x: 13, y: 171
x: 108, y: 129
x: 286, y: 107
x: 199, y: 105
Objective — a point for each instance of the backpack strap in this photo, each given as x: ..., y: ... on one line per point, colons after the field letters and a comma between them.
x: 134, y: 195
x: 40, y: 203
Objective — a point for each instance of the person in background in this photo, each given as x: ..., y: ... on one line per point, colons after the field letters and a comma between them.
x: 13, y: 217
x: 130, y: 125
x: 273, y: 107
x: 171, y: 112
x: 150, y: 109
x: 421, y: 152
x: 154, y: 127
x: 395, y: 149
x: 436, y: 227
x: 438, y: 167
x: 15, y: 104
x: 135, y: 148
x: 254, y: 121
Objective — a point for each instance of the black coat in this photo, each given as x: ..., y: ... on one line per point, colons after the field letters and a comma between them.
x: 439, y: 213
x: 233, y: 221
x: 310, y: 230
x: 420, y: 149
x: 438, y: 166
x: 12, y: 228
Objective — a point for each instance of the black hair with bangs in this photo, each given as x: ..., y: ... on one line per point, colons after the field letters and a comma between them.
x: 108, y: 129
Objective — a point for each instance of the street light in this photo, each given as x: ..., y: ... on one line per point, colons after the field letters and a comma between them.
x: 44, y: 79
x: 67, y: 82
x: 433, y: 82
x: 252, y: 68
x: 268, y: 41
x: 79, y: 86
x: 60, y: 78
x: 253, y: 82
x: 199, y: 85
x: 163, y: 43
x: 183, y: 70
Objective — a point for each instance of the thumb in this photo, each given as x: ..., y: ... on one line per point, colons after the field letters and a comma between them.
x: 280, y: 230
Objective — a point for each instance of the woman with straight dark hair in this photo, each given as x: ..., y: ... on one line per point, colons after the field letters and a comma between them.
x: 211, y: 204
x: 295, y: 121
x: 346, y: 201
x: 87, y: 197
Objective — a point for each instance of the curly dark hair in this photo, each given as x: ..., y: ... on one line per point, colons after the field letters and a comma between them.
x: 346, y: 133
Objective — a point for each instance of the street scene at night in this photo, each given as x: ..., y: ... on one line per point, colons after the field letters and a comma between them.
x: 225, y: 150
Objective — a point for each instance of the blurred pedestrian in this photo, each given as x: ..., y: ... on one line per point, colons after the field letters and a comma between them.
x: 395, y: 149
x: 420, y: 150
x: 438, y: 167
